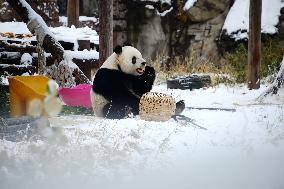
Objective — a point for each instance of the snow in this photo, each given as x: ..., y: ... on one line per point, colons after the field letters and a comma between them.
x: 60, y: 33
x: 165, y: 12
x: 72, y: 34
x: 14, y: 27
x: 4, y: 80
x: 85, y: 54
x: 189, y: 4
x: 63, y: 19
x: 238, y: 18
x: 26, y: 59
x: 242, y: 149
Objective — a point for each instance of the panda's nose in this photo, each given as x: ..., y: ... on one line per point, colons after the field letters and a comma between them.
x: 143, y: 63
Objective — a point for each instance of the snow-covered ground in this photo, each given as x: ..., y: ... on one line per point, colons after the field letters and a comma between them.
x: 241, y: 149
x: 238, y: 18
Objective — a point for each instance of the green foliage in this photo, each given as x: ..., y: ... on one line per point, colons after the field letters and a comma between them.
x: 271, y: 56
x: 76, y: 110
x: 237, y: 63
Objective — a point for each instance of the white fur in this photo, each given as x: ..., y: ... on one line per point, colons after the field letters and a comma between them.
x: 98, y: 103
x: 124, y: 60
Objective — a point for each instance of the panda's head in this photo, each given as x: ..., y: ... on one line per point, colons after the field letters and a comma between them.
x: 129, y: 60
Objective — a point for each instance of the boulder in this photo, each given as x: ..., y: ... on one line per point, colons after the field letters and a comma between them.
x: 204, y: 10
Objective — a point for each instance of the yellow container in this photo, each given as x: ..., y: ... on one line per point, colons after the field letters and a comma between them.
x: 23, y: 89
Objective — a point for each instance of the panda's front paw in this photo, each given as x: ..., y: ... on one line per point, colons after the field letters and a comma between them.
x: 149, y: 74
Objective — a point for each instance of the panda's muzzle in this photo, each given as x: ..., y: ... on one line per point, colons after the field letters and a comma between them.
x: 141, y: 69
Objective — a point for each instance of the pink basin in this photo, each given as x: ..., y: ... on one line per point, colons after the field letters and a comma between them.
x: 76, y: 96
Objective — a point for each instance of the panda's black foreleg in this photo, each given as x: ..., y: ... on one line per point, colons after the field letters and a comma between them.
x: 144, y: 83
x: 116, y: 110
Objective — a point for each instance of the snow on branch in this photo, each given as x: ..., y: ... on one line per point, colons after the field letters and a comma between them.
x: 276, y: 85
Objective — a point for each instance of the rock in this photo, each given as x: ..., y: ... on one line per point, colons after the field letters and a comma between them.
x: 204, y: 10
x: 189, y: 82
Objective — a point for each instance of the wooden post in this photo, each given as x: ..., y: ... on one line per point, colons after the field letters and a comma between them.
x: 254, y: 44
x: 73, y: 13
x: 106, y: 29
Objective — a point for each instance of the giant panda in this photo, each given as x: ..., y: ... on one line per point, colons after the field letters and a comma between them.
x: 120, y: 82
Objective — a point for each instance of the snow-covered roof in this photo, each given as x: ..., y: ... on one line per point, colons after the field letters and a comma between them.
x: 238, y: 18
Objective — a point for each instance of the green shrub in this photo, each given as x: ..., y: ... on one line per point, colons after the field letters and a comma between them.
x: 271, y: 56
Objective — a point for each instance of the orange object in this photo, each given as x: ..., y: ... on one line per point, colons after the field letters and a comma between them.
x: 23, y: 89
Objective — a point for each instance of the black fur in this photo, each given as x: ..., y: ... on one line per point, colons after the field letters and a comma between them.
x: 144, y: 83
x: 118, y: 49
x: 127, y: 44
x: 116, y: 87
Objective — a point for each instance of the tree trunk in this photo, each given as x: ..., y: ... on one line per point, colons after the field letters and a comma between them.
x: 38, y: 27
x: 73, y: 13
x: 106, y: 29
x: 254, y: 44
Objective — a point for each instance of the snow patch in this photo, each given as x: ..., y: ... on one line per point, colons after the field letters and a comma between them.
x: 237, y: 21
x: 14, y: 27
x: 189, y: 4
x: 72, y: 34
x: 85, y: 54
x: 26, y: 59
x: 63, y: 19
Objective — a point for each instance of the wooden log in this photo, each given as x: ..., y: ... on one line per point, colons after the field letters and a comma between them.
x: 10, y: 46
x: 17, y: 69
x: 106, y: 29
x: 189, y: 82
x: 254, y: 44
x: 10, y: 57
x: 16, y: 48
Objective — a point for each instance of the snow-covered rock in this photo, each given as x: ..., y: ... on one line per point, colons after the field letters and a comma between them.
x: 26, y: 59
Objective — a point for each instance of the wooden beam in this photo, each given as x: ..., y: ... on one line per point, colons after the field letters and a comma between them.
x: 254, y: 44
x: 17, y: 69
x: 16, y: 48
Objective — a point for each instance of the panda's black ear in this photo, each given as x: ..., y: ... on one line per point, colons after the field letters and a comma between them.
x: 126, y: 43
x: 118, y: 49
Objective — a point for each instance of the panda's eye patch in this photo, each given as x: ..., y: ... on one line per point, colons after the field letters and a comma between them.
x: 133, y: 60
